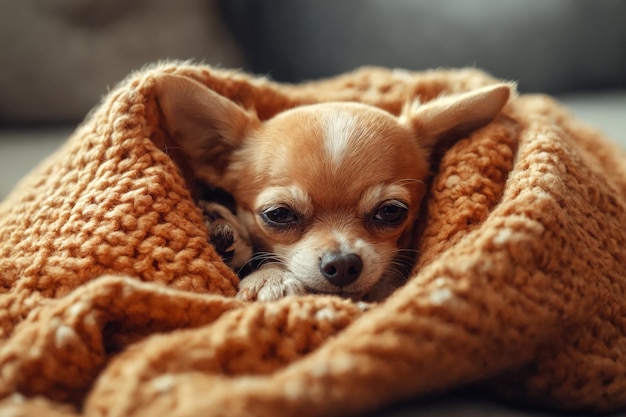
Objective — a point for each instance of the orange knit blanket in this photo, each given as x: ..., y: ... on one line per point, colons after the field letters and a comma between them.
x: 113, y: 302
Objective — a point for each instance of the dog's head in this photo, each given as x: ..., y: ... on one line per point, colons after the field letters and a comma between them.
x: 332, y: 190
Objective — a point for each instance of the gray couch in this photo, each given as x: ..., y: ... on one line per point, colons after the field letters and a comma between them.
x: 61, y: 55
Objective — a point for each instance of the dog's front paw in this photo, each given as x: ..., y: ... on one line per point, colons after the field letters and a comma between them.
x: 268, y: 284
x: 226, y: 234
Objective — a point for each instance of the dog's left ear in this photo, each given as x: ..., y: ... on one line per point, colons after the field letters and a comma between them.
x: 455, y: 114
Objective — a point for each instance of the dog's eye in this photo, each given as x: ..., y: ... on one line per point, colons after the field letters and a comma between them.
x: 279, y: 216
x: 391, y: 213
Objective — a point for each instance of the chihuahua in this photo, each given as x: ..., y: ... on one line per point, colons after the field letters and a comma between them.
x: 327, y: 194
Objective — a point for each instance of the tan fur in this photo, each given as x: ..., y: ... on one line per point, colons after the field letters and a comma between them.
x: 331, y: 163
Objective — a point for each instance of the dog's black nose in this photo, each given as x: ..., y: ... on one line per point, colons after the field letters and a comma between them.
x: 341, y: 269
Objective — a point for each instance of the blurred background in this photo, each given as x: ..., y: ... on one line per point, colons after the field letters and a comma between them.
x: 60, y: 56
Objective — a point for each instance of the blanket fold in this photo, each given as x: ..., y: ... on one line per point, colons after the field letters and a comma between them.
x: 114, y: 302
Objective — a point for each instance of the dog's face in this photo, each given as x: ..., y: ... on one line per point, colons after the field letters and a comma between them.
x: 330, y: 190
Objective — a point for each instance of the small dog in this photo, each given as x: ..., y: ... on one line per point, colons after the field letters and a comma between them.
x: 327, y: 194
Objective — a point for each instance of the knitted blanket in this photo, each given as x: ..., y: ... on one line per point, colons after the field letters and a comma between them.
x: 114, y: 303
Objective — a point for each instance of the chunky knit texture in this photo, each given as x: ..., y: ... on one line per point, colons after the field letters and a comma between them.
x: 113, y: 303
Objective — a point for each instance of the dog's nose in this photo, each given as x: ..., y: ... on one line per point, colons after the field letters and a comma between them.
x: 341, y: 269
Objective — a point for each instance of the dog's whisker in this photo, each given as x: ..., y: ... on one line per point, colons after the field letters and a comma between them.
x: 404, y: 254
x: 264, y: 257
x: 273, y: 256
x: 397, y: 275
x: 401, y: 264
x: 409, y: 251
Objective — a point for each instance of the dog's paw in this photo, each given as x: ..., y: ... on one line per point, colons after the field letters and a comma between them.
x: 223, y: 237
x: 226, y: 234
x: 269, y: 284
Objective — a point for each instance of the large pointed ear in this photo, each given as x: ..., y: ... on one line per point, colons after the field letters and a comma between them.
x: 205, y: 125
x: 455, y: 114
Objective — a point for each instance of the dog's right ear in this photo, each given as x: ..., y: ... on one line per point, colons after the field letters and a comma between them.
x: 205, y: 125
